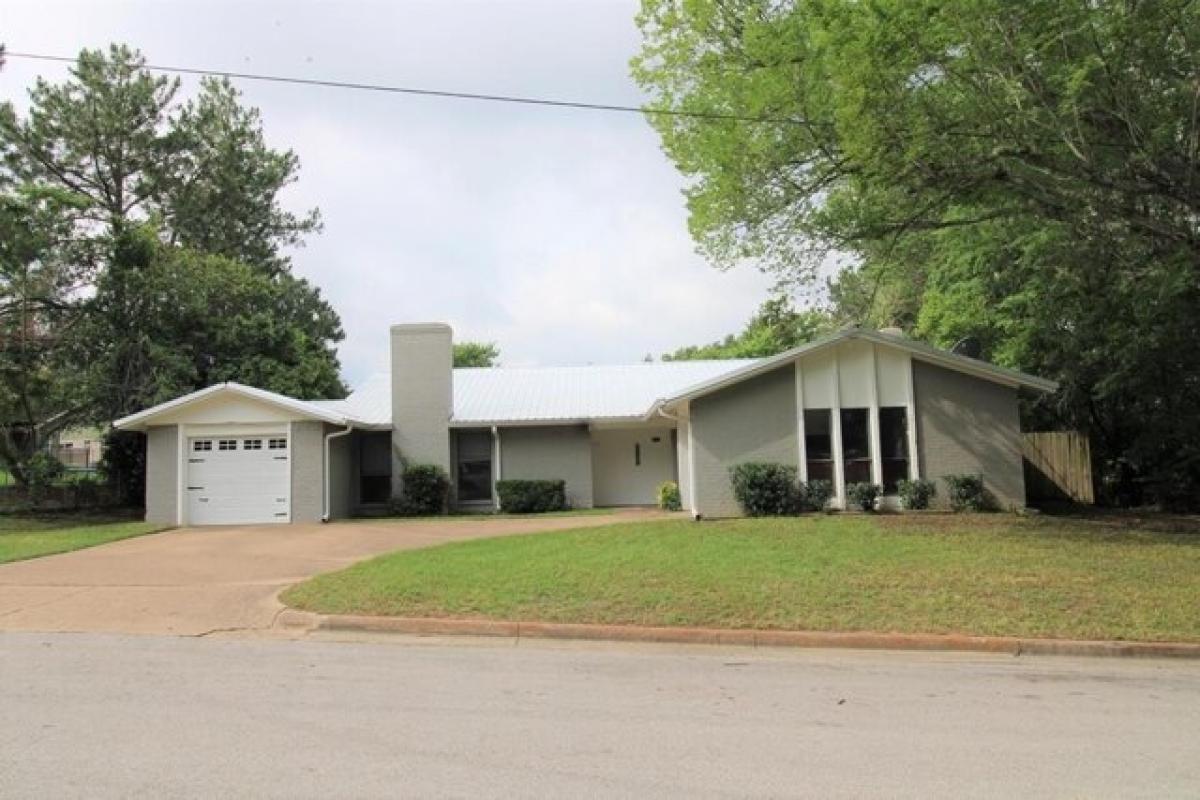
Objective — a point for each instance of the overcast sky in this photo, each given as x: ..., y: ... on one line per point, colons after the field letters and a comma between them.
x: 561, y: 235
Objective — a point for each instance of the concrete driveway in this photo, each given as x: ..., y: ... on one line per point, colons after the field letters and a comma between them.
x: 197, y: 581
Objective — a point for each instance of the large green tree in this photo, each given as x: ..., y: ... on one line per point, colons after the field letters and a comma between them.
x: 38, y: 307
x: 151, y: 208
x: 1024, y: 173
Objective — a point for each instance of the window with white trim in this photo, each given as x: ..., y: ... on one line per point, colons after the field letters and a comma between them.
x: 856, y: 445
x: 893, y: 446
x: 818, y: 444
x: 277, y: 444
x: 252, y: 444
x: 201, y: 445
x: 227, y: 444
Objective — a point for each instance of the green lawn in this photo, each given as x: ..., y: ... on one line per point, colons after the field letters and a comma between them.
x: 474, y: 516
x: 24, y: 537
x: 983, y: 574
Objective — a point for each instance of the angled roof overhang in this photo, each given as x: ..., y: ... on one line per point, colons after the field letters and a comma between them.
x: 920, y: 350
x: 300, y: 408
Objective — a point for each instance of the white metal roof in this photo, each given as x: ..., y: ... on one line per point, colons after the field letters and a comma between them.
x: 543, y: 394
x: 599, y: 392
x: 516, y: 395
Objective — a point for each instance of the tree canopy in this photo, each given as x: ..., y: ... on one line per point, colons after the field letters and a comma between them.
x: 775, y: 327
x: 1024, y: 173
x: 145, y: 253
x: 476, y: 354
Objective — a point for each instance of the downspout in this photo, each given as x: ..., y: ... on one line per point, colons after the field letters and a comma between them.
x: 325, y: 470
x: 497, y: 460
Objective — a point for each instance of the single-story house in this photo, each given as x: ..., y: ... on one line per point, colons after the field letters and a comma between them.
x: 858, y: 405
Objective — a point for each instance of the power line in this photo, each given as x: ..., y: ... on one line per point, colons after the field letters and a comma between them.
x: 443, y: 93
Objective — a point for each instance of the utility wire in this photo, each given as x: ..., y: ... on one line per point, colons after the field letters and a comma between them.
x: 421, y: 92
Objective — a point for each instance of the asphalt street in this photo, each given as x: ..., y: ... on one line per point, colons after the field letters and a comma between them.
x: 97, y: 715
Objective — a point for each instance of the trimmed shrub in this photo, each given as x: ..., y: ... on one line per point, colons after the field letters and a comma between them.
x: 425, y: 491
x: 863, y: 495
x: 668, y: 496
x: 915, y: 495
x: 532, y: 497
x: 966, y: 492
x: 816, y: 494
x: 765, y: 490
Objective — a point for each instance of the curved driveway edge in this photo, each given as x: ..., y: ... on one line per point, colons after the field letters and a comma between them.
x: 197, y: 581
x: 295, y: 619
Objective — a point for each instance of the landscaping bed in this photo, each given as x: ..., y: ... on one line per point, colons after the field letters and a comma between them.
x: 919, y: 573
x: 23, y: 537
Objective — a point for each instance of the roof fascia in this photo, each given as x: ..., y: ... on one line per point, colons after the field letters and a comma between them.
x: 141, y: 419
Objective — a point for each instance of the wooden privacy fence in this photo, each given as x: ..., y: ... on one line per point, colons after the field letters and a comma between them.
x: 1058, y: 466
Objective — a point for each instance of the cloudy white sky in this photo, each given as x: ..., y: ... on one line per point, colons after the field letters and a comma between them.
x: 561, y: 235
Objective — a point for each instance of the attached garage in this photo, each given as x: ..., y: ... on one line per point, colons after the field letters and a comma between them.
x: 238, y: 479
x: 234, y: 455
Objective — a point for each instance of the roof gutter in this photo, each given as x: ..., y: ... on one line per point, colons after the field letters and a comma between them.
x: 325, y: 470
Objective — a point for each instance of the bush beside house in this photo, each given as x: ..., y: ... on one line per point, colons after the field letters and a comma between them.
x: 668, y: 496
x: 532, y: 496
x: 816, y: 494
x: 771, y: 490
x: 863, y: 495
x: 916, y: 495
x: 766, y: 490
x: 425, y: 491
x: 966, y: 492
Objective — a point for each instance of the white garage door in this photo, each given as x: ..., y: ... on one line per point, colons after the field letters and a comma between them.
x: 236, y: 480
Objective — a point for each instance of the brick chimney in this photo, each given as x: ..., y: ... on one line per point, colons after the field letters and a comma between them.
x: 422, y: 395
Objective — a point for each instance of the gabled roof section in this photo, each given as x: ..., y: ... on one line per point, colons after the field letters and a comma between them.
x: 308, y: 409
x: 920, y: 350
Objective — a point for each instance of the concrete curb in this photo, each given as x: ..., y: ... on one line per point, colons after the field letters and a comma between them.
x: 432, y: 626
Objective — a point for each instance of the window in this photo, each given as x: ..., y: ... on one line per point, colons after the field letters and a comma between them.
x: 818, y: 444
x: 856, y: 446
x: 252, y: 444
x: 201, y: 445
x: 227, y: 444
x: 374, y: 468
x: 277, y: 444
x: 893, y: 446
x: 474, y: 467
x: 637, y: 454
